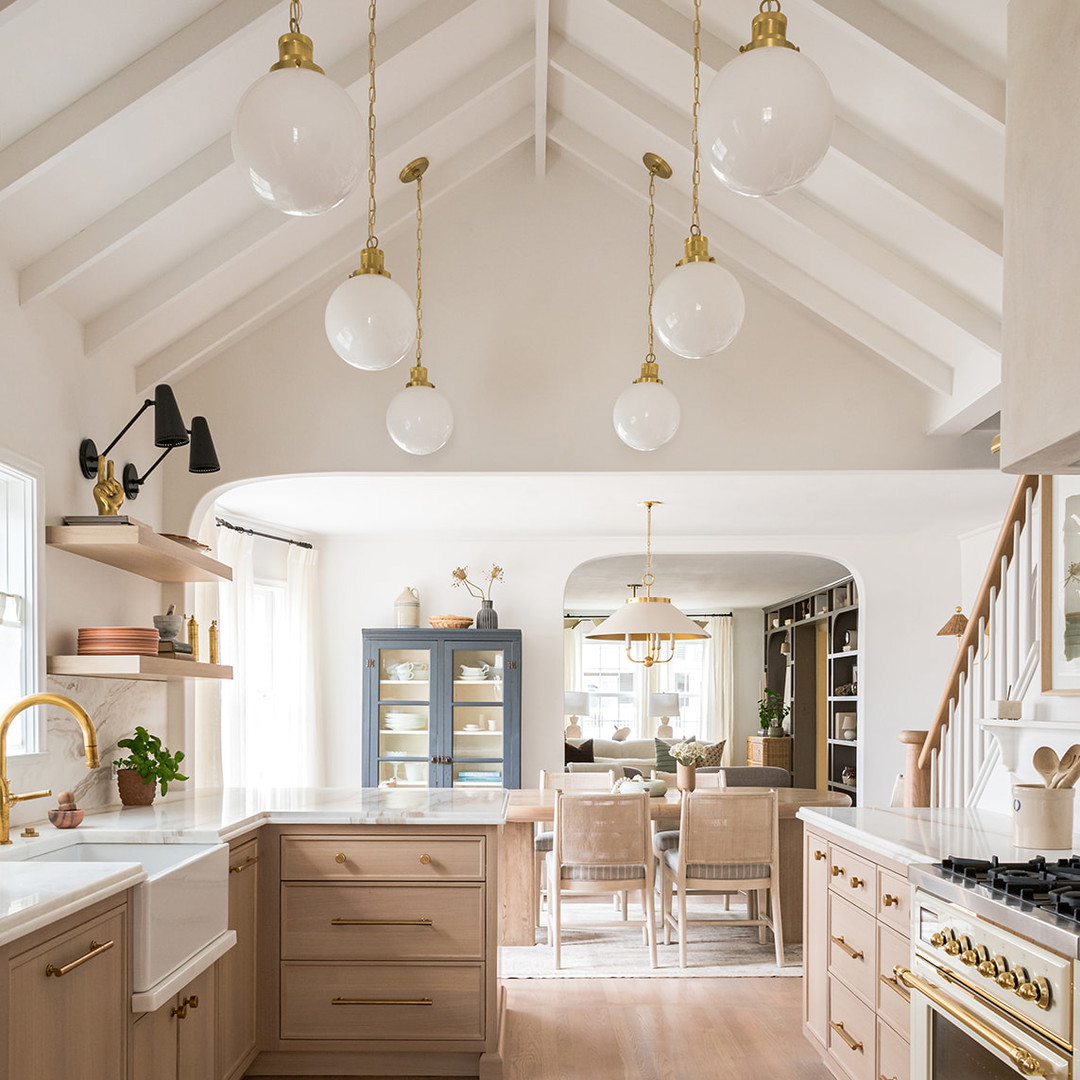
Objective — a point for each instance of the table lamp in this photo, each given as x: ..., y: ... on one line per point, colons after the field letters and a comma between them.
x: 663, y: 707
x: 575, y: 705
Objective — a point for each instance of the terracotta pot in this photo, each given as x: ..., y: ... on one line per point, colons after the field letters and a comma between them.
x: 134, y: 790
x: 685, y: 776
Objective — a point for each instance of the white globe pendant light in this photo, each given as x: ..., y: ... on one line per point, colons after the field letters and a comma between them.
x: 767, y: 116
x: 698, y: 308
x: 646, y: 413
x: 297, y: 134
x: 419, y: 418
x: 369, y: 318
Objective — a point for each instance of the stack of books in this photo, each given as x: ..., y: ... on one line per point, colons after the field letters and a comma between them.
x: 181, y: 650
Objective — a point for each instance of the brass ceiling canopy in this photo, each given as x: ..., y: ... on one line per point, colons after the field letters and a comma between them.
x: 295, y: 50
x: 768, y: 28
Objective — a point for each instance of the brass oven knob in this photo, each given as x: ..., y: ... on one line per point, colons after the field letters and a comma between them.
x: 940, y: 938
x: 973, y: 957
x: 1011, y: 980
x: 991, y: 969
x: 1037, y: 991
x: 958, y: 945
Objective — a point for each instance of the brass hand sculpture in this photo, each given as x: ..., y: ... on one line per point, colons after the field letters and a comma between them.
x: 108, y: 491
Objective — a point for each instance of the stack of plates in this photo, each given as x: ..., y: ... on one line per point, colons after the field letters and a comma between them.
x: 117, y: 641
x: 403, y: 721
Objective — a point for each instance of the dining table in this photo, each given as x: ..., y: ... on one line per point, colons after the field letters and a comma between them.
x: 530, y: 806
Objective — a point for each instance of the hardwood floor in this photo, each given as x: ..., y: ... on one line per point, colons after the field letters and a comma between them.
x: 656, y: 1029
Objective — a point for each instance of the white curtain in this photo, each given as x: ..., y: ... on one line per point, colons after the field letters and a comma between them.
x: 300, y: 734
x: 719, y: 694
x: 237, y: 619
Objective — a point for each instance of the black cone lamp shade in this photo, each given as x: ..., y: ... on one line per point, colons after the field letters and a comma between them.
x: 202, y: 457
x: 169, y: 427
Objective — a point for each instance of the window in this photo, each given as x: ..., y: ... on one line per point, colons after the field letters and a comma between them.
x: 611, y: 680
x: 268, y: 668
x: 19, y: 674
x: 685, y: 675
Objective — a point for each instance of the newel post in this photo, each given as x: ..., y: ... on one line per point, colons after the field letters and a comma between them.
x: 916, y: 780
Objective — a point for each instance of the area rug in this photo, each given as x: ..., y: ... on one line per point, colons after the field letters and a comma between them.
x: 591, y: 950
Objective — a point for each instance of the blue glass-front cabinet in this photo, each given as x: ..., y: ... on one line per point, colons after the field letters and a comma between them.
x: 442, y: 708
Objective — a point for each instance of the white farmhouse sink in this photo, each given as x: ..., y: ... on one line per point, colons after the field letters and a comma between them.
x: 181, y: 907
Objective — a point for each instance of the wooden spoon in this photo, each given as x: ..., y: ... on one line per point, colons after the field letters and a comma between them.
x: 1065, y: 766
x: 1069, y: 778
x: 1046, y: 763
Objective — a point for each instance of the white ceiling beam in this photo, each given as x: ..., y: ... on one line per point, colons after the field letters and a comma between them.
x: 932, y: 187
x: 50, y: 141
x: 485, y: 81
x: 975, y: 397
x: 979, y: 88
x: 10, y: 8
x: 543, y: 30
x: 771, y: 270
x: 321, y: 267
x: 79, y: 253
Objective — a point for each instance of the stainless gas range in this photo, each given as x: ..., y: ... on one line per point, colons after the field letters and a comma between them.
x: 995, y: 972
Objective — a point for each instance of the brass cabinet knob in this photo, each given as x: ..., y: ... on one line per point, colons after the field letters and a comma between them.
x: 888, y: 900
x: 1012, y: 980
x: 857, y: 883
x: 425, y: 859
x: 819, y: 855
x: 339, y: 857
x: 837, y: 871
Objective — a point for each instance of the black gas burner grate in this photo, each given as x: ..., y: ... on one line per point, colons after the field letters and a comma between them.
x: 1051, y: 885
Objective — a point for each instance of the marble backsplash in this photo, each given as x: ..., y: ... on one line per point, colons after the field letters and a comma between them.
x: 116, y: 706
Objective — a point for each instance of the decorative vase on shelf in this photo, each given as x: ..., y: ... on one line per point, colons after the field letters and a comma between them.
x: 685, y: 776
x: 774, y: 731
x: 134, y: 790
x: 487, y: 618
x: 407, y: 607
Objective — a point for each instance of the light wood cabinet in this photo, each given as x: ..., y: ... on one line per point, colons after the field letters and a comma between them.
x: 176, y: 1041
x: 856, y: 931
x: 236, y: 970
x: 769, y: 750
x: 65, y: 998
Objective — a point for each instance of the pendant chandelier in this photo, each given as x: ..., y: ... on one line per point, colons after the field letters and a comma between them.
x: 419, y: 418
x: 648, y: 625
x: 296, y: 133
x: 646, y: 413
x: 698, y: 308
x: 767, y: 116
x: 369, y: 318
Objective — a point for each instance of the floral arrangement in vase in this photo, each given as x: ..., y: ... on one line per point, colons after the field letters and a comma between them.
x: 486, y: 618
x: 689, y: 752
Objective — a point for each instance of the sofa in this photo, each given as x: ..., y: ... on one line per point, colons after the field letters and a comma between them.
x: 611, y: 754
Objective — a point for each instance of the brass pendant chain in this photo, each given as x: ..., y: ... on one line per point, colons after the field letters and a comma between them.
x: 419, y: 264
x: 295, y: 11
x: 373, y: 240
x: 695, y: 224
x: 647, y: 578
x: 650, y: 357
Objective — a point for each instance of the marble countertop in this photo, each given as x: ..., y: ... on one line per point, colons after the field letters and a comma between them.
x: 34, y: 894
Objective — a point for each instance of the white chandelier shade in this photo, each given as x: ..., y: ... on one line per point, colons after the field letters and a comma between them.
x: 698, y: 309
x: 766, y: 121
x: 371, y: 322
x: 420, y: 419
x: 649, y: 626
x: 299, y: 137
x: 646, y: 415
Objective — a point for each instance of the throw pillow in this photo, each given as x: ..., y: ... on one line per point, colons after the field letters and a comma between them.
x: 664, y: 761
x: 583, y: 753
x: 714, y: 755
x: 629, y: 772
x: 620, y: 734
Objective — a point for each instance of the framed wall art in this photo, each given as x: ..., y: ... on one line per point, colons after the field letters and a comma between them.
x: 1060, y: 584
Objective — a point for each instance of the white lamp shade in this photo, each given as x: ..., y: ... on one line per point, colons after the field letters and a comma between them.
x: 419, y: 419
x: 698, y: 309
x: 575, y: 703
x: 371, y: 322
x: 301, y: 140
x: 646, y: 415
x: 663, y: 704
x: 642, y: 618
x: 766, y: 120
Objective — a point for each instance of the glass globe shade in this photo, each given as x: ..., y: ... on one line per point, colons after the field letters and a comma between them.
x: 698, y: 309
x: 301, y: 140
x: 646, y: 415
x: 371, y: 322
x: 766, y: 120
x: 419, y: 419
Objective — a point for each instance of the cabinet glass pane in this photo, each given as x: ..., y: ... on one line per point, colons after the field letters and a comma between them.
x: 478, y: 732
x: 404, y: 675
x: 478, y: 674
x: 404, y: 773
x: 404, y: 731
x: 488, y: 774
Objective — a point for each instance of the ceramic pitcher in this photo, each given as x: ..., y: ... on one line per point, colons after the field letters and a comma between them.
x: 407, y: 607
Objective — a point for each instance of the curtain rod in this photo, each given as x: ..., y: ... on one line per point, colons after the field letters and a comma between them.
x: 694, y: 615
x: 222, y: 523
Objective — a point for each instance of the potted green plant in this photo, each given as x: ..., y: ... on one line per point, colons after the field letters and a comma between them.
x: 147, y: 764
x: 771, y: 712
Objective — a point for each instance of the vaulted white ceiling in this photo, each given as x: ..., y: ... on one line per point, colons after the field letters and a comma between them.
x: 120, y: 201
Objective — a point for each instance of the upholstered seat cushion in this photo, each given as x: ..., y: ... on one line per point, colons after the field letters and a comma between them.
x: 665, y: 841
x: 544, y: 841
x: 600, y: 873
x: 718, y: 872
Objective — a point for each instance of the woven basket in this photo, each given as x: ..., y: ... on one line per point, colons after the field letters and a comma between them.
x: 450, y: 622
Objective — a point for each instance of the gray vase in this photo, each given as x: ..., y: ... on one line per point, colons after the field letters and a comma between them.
x: 487, y: 618
x: 775, y: 731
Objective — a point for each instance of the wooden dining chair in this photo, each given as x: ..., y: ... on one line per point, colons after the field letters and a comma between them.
x: 543, y: 840
x: 728, y: 841
x: 601, y: 845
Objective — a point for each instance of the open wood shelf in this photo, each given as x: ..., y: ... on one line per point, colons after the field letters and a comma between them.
x: 150, y: 668
x: 136, y: 548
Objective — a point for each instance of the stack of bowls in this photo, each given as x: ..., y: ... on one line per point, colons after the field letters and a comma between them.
x: 117, y: 641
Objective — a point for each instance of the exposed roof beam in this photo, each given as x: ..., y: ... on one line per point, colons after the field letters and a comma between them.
x: 488, y: 80
x: 321, y: 267
x: 81, y: 252
x: 28, y: 156
x: 10, y: 8
x: 975, y: 397
x: 543, y: 30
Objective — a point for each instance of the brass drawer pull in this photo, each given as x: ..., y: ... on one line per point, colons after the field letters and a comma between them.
x: 819, y: 855
x: 381, y: 922
x: 893, y: 983
x: 838, y: 871
x: 855, y: 954
x: 251, y: 860
x: 888, y: 900
x: 425, y: 859
x: 179, y: 1011
x: 884, y: 1077
x: 838, y: 1027
x: 382, y: 1001
x: 95, y: 950
x: 339, y: 857
x: 857, y: 883
x: 193, y: 1001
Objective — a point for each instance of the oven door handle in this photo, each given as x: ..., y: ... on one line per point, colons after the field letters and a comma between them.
x: 1026, y: 1064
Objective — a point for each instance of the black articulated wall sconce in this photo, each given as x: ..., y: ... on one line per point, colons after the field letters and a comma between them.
x: 202, y: 458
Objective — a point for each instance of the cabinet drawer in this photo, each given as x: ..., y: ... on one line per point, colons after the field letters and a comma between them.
x: 894, y: 1002
x: 894, y: 901
x: 382, y: 922
x: 894, y: 1054
x: 754, y: 755
x: 381, y: 858
x: 852, y: 877
x: 376, y: 1001
x: 852, y: 1033
x: 853, y: 947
